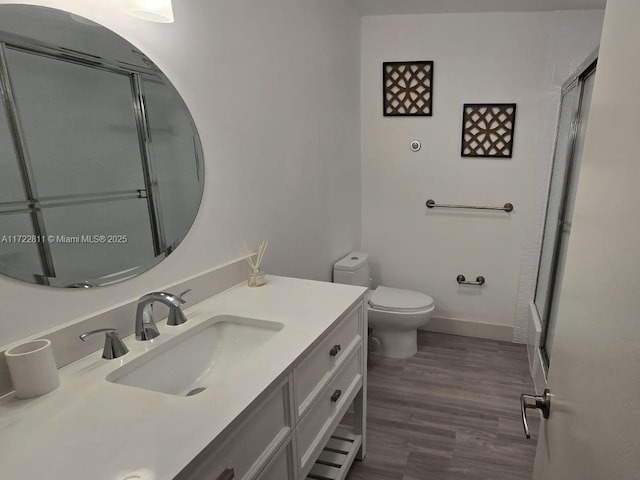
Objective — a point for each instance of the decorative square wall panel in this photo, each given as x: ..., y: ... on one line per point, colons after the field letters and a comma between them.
x: 488, y: 129
x: 407, y: 89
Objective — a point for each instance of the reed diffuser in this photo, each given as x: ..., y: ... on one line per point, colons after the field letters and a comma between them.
x: 256, y: 277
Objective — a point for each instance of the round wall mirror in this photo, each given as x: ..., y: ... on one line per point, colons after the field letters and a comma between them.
x: 101, y: 164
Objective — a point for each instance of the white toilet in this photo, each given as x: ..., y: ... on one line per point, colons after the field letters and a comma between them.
x: 395, y: 315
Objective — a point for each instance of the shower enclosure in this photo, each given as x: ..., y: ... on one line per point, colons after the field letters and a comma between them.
x: 572, y: 125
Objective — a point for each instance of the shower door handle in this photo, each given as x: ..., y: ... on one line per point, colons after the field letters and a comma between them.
x: 564, y: 226
x: 541, y: 402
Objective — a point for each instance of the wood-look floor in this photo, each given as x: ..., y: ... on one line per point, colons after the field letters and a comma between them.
x: 451, y: 412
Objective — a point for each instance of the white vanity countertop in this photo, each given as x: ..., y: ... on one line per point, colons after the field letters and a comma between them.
x: 93, y: 429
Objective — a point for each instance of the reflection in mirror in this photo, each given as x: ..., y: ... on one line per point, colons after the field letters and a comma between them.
x: 102, y: 171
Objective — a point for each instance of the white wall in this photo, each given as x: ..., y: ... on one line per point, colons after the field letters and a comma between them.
x: 492, y: 57
x: 274, y: 90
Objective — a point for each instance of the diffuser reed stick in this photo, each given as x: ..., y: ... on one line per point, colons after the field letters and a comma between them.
x: 257, y: 277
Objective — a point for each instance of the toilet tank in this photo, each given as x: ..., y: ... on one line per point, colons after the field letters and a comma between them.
x: 353, y: 269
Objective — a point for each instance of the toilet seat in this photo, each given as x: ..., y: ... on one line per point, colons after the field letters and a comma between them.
x: 398, y: 300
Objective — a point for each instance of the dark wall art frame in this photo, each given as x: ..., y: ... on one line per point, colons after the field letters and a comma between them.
x: 404, y: 90
x: 496, y: 141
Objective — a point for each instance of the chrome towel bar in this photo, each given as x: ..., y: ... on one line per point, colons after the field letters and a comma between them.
x: 508, y: 207
x: 463, y: 281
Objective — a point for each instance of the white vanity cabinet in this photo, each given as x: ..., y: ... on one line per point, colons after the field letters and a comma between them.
x: 284, y: 399
x: 256, y: 437
x: 283, y: 435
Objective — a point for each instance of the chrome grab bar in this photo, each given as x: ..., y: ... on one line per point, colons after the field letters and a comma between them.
x: 508, y: 207
x: 463, y: 281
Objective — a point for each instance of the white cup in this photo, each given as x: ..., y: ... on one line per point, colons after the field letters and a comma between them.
x: 32, y: 368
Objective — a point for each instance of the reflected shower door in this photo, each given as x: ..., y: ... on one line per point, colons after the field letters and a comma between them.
x: 87, y: 168
x: 175, y: 160
x: 19, y: 255
x: 96, y: 147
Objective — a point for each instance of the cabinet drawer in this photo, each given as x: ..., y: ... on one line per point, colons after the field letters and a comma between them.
x: 281, y: 465
x: 248, y: 447
x: 319, y: 422
x: 317, y: 368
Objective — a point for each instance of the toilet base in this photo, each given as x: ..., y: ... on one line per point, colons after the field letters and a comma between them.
x: 396, y: 343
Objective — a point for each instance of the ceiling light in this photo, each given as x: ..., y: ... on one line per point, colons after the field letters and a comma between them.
x: 151, y: 10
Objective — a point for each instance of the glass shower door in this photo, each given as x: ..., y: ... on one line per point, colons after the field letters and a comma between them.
x: 566, y: 129
x: 565, y: 222
x: 574, y: 117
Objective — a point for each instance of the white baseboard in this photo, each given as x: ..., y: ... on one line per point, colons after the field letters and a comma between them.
x: 470, y: 328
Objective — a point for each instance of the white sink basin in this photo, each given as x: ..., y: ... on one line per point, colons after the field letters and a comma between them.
x: 191, y: 362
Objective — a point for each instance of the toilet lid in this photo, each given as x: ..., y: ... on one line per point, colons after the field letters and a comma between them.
x: 385, y: 298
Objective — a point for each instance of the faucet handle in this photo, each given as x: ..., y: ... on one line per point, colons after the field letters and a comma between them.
x: 176, y: 315
x: 180, y: 295
x: 113, y: 345
x: 166, y: 298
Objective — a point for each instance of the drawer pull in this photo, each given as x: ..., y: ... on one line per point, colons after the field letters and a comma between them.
x: 228, y: 474
x: 334, y: 351
x: 336, y: 395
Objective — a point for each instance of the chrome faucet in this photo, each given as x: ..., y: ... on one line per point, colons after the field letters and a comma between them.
x: 145, y: 327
